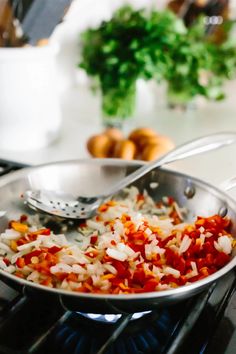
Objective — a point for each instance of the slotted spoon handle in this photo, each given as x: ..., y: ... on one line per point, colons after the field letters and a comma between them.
x: 194, y: 147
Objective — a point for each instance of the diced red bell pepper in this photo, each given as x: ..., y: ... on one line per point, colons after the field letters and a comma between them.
x: 23, y: 218
x: 43, y: 267
x: 93, y: 239
x: 208, y: 247
x: 6, y: 261
x: 168, y: 279
x: 121, y: 268
x: 139, y: 277
x: 27, y: 257
x: 45, y: 232
x: 61, y: 276
x: 182, y: 280
x: 54, y: 249
x: 140, y: 197
x: 150, y: 285
x: 72, y: 277
x: 20, y: 262
x: 221, y: 259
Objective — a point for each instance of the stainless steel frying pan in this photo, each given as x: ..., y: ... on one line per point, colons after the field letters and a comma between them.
x: 96, y: 176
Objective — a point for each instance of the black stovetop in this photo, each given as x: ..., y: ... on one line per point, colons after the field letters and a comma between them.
x: 33, y: 323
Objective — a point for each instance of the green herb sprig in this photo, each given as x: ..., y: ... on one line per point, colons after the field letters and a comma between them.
x: 156, y: 45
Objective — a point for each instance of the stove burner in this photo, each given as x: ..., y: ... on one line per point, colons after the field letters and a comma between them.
x: 111, y: 318
x: 82, y: 335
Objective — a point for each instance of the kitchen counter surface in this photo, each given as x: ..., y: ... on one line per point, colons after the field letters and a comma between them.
x: 80, y: 113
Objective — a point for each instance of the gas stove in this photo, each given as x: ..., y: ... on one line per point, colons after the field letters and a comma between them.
x: 39, y: 323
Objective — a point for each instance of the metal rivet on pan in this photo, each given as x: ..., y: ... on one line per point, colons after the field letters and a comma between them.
x: 189, y: 192
x: 223, y: 211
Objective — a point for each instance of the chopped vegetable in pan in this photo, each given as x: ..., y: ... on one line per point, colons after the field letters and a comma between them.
x: 132, y: 245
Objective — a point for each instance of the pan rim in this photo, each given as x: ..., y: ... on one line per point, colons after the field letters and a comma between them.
x: 198, y: 285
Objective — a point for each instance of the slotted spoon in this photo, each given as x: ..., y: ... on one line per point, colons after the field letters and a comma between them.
x: 68, y: 206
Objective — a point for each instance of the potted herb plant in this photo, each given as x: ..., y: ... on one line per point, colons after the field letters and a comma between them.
x: 125, y: 49
x: 136, y: 44
x: 199, y: 66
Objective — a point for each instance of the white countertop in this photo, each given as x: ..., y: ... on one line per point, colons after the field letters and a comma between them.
x: 80, y: 112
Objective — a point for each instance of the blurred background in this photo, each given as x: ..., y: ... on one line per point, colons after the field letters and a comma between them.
x: 63, y: 82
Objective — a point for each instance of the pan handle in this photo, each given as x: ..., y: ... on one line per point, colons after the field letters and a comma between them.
x: 229, y: 184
